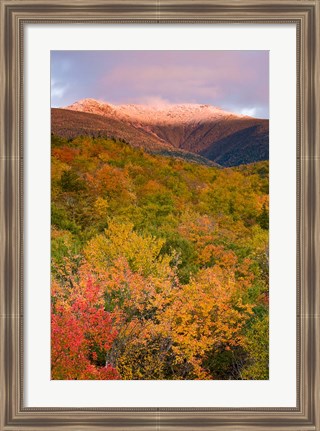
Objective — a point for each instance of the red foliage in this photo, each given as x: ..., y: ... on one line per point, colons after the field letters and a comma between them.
x: 79, y: 328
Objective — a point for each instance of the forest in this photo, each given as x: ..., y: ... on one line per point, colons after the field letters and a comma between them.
x: 159, y: 265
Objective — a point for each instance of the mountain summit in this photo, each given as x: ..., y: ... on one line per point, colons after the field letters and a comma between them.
x: 223, y: 137
x: 155, y: 114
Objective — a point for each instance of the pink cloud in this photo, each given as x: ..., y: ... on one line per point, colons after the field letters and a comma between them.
x: 237, y: 79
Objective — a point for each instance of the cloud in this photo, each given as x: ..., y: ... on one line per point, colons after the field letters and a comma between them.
x: 249, y: 111
x: 216, y: 83
x: 173, y: 83
x: 58, y: 90
x: 226, y: 79
x: 154, y: 101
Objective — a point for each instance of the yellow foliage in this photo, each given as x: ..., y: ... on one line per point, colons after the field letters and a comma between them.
x: 120, y: 240
x: 101, y: 207
x: 204, y: 314
x: 57, y: 168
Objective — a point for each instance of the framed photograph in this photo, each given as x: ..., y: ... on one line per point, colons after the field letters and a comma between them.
x: 159, y: 215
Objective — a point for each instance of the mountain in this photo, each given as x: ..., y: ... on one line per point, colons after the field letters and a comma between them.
x: 207, y: 132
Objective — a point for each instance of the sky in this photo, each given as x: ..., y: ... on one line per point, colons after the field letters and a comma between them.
x: 236, y: 81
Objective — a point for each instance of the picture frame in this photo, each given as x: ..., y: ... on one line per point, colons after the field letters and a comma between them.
x: 15, y: 14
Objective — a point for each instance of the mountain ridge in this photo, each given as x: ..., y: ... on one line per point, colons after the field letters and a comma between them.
x: 154, y: 114
x: 204, y: 130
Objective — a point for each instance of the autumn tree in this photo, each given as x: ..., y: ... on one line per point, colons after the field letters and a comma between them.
x: 81, y: 332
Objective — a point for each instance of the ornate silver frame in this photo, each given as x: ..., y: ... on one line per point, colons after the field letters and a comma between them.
x: 14, y: 15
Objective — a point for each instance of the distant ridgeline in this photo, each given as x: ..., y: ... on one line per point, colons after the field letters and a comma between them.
x: 203, y: 133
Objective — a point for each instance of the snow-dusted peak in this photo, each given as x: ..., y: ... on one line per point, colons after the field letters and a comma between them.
x: 154, y: 114
x: 92, y: 106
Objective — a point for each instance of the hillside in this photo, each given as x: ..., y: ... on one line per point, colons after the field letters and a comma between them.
x: 159, y: 265
x: 69, y: 124
x: 217, y: 135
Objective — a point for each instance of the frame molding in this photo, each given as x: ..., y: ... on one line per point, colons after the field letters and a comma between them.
x: 14, y: 14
